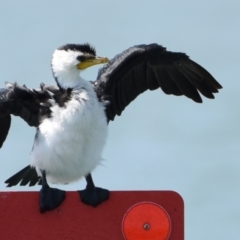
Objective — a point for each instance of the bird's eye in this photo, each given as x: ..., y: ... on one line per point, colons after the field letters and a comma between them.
x: 81, y: 58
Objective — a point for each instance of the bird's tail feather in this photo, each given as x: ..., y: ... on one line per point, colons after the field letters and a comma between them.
x: 25, y: 176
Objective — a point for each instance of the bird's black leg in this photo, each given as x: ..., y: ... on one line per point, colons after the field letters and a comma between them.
x: 50, y: 198
x: 92, y: 195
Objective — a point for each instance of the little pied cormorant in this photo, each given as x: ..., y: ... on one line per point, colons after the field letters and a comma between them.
x: 71, y: 117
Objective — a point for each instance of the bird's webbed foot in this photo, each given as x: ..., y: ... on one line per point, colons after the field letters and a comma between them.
x: 92, y: 195
x: 50, y: 198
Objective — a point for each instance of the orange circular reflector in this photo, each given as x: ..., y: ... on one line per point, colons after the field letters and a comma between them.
x: 146, y: 220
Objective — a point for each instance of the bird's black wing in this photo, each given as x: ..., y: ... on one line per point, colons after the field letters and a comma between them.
x: 32, y: 105
x: 150, y: 67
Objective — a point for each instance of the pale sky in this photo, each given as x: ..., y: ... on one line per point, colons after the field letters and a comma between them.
x: 160, y: 142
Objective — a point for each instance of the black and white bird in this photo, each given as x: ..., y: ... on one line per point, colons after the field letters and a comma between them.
x: 71, y: 117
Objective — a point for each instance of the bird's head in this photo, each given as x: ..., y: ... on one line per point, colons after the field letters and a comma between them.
x: 70, y: 59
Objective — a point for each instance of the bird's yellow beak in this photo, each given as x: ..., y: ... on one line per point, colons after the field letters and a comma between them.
x: 92, y: 62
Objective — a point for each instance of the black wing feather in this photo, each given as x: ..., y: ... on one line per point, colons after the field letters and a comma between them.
x: 5, y: 123
x: 144, y: 67
x: 168, y: 87
x: 32, y: 105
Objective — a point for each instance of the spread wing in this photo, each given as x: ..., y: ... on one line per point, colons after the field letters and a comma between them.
x: 32, y: 105
x: 148, y: 67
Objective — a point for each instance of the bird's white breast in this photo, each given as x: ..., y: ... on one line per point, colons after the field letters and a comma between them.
x: 70, y: 143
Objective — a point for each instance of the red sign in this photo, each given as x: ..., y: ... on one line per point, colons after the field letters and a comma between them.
x: 131, y: 215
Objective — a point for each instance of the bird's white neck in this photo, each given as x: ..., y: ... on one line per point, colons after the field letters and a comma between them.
x: 69, y: 79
